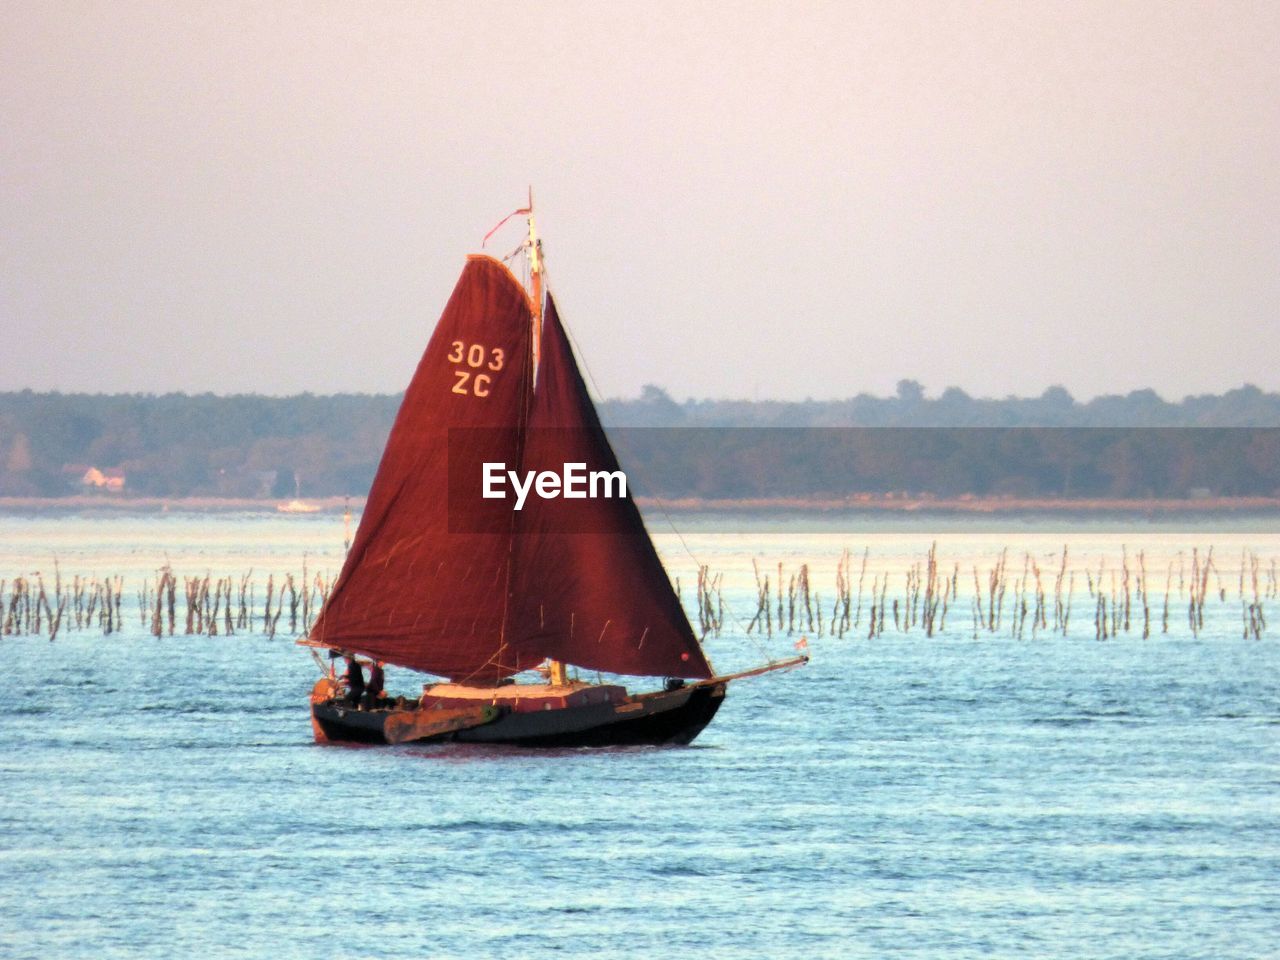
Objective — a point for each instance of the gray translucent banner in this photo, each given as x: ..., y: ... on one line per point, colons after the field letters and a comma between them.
x: 821, y: 472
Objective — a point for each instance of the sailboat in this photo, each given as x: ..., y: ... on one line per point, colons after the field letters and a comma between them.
x: 445, y: 581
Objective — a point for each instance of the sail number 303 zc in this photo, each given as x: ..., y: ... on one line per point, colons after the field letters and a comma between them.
x: 474, y: 382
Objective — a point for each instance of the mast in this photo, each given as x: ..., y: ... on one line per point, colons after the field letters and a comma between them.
x: 533, y: 249
x: 532, y: 245
x: 557, y: 673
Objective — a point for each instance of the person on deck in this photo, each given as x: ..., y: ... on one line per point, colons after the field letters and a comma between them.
x: 355, y: 682
x: 377, y: 680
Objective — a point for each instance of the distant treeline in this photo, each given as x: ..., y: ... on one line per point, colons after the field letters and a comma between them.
x: 825, y: 463
x: 252, y: 446
x: 1244, y: 407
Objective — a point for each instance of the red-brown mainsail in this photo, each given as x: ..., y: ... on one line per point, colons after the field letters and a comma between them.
x: 412, y: 592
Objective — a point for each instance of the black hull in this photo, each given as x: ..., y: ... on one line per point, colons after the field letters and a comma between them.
x: 673, y: 717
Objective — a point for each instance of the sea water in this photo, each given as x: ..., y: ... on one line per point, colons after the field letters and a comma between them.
x: 974, y: 794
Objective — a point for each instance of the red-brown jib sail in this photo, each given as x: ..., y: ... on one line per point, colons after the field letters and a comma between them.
x: 588, y: 587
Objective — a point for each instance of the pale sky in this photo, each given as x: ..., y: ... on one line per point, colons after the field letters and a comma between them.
x: 772, y: 200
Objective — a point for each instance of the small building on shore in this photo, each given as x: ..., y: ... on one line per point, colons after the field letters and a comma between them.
x: 112, y: 479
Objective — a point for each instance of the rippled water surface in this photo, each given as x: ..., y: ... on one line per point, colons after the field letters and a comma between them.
x: 950, y: 797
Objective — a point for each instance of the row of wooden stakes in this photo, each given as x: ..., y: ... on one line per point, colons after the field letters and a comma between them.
x: 1021, y: 599
x: 1027, y: 600
x: 210, y: 606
